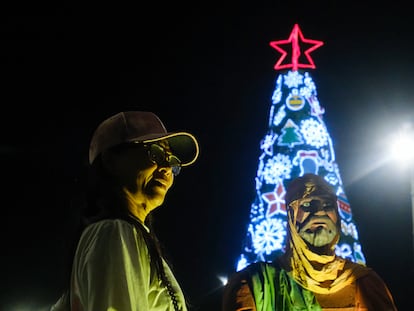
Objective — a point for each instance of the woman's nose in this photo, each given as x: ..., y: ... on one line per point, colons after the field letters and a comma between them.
x: 165, y: 169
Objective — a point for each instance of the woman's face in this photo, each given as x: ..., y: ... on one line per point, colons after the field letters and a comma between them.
x: 145, y: 183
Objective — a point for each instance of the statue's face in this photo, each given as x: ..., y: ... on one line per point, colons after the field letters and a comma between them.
x: 316, y: 220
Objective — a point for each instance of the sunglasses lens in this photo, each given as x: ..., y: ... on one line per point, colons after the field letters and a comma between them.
x: 176, y: 170
x: 175, y: 164
x: 157, y: 155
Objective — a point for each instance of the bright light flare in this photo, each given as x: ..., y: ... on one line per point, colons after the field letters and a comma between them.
x: 402, y: 148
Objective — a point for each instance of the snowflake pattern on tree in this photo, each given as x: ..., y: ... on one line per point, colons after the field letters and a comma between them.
x: 297, y: 142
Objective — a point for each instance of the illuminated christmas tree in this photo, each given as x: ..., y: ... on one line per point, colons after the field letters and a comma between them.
x: 297, y: 142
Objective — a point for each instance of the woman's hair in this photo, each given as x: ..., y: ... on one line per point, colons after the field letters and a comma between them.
x: 104, y: 199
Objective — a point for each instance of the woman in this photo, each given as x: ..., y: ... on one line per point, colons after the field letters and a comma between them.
x: 118, y: 264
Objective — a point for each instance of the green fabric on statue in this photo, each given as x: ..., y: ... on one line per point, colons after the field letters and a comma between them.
x: 282, y: 295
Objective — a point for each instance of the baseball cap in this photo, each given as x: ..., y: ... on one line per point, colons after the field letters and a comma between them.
x: 141, y: 127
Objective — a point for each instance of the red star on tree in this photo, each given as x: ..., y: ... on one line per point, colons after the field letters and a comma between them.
x: 275, y: 200
x: 294, y: 38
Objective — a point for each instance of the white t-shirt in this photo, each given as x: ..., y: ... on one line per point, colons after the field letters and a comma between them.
x: 111, y: 272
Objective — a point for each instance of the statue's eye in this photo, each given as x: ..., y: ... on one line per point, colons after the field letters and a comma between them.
x: 306, y: 206
x: 317, y: 205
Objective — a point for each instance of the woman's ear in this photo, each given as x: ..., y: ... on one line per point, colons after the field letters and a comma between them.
x: 109, y: 161
x: 121, y: 163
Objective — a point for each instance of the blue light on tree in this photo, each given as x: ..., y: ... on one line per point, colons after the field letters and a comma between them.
x: 297, y: 142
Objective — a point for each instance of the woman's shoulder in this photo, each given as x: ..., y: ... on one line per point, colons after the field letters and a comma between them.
x: 108, y: 225
x: 112, y: 234
x: 110, y: 228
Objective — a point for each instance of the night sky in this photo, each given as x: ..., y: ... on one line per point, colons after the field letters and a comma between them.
x: 207, y: 69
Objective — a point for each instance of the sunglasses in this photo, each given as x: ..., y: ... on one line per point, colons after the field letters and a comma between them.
x: 159, y: 156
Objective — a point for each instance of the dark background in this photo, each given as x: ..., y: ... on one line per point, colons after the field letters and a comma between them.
x: 206, y: 68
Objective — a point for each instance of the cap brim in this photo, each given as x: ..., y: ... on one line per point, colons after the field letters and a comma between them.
x: 183, y: 145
